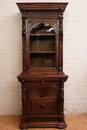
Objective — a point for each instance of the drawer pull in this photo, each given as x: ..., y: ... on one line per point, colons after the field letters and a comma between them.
x: 42, y: 105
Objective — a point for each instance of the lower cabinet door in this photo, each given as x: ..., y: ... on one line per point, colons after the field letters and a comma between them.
x: 42, y: 97
x: 42, y: 106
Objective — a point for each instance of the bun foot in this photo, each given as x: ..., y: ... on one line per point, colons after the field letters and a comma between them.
x: 61, y: 125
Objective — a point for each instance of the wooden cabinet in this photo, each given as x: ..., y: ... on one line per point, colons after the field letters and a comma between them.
x: 42, y: 78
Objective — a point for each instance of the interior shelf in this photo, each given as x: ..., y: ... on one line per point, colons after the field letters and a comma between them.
x: 43, y: 34
x: 42, y: 52
x: 43, y: 68
x: 42, y: 60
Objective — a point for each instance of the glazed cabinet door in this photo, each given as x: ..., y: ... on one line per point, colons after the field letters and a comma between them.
x: 42, y: 43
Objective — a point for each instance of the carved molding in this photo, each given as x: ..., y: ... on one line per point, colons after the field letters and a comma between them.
x: 57, y: 14
x: 39, y: 14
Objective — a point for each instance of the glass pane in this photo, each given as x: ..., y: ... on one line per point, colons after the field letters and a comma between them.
x: 42, y: 27
x: 42, y: 45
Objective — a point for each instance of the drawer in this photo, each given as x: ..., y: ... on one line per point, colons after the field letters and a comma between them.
x: 33, y: 89
x: 42, y: 106
x: 52, y: 88
x: 43, y: 89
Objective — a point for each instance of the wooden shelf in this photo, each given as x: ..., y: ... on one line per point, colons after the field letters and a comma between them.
x: 43, y: 34
x: 42, y: 52
x: 43, y: 68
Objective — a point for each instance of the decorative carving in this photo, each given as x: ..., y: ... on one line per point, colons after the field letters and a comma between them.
x: 23, y: 92
x: 62, y: 92
x: 61, y: 25
x: 61, y: 82
x: 23, y: 25
x: 60, y: 14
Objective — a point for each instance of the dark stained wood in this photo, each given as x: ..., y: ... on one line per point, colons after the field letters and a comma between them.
x: 42, y: 6
x: 42, y: 78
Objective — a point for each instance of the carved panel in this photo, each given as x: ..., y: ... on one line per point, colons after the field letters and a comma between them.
x: 43, y: 89
x: 31, y: 22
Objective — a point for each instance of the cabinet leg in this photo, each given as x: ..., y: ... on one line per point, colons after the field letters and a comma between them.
x: 23, y: 129
x: 61, y: 125
x: 61, y: 121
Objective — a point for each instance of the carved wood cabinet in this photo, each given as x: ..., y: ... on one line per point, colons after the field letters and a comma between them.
x: 42, y: 79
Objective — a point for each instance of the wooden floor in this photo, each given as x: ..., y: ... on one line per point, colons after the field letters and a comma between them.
x: 74, y: 122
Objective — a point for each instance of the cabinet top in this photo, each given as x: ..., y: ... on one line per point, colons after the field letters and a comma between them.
x: 42, y: 6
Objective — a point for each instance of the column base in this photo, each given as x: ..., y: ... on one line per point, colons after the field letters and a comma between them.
x: 61, y: 125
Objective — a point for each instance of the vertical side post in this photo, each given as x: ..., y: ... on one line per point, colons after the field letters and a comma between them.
x: 60, y: 17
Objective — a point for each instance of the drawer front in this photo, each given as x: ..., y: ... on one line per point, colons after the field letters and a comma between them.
x: 51, y: 89
x: 43, y: 89
x: 41, y: 97
x: 42, y: 106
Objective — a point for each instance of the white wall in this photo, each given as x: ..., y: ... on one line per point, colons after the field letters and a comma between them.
x: 75, y: 60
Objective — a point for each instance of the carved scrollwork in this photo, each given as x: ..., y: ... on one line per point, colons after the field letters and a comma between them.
x: 62, y: 92
x: 23, y: 26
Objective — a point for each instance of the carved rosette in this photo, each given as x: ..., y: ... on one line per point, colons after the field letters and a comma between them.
x: 39, y: 15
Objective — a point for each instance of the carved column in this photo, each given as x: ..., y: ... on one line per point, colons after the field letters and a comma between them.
x: 24, y: 43
x: 61, y: 123
x: 23, y: 97
x: 60, y: 40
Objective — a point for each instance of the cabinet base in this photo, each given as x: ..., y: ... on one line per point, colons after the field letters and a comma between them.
x: 59, y: 125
